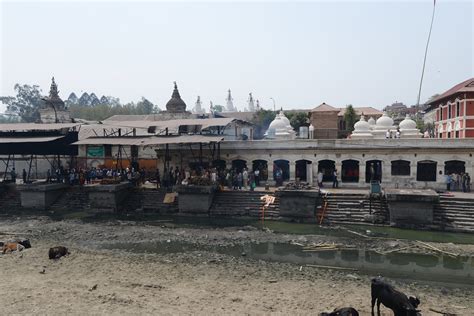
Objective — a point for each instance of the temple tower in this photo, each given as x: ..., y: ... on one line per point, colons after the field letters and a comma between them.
x: 251, y: 103
x: 198, y: 106
x: 230, y: 105
x: 54, y: 110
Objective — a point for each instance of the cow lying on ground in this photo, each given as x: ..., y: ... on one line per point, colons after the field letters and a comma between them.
x: 9, y: 247
x: 58, y: 252
x: 24, y: 242
x: 398, y: 302
x: 346, y: 311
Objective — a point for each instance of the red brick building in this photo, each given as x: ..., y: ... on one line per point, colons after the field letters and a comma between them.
x: 454, y: 116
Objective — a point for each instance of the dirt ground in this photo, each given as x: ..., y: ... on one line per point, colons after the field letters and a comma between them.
x: 96, y: 281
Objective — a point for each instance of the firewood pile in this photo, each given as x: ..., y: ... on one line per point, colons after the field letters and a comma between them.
x: 298, y: 186
x: 110, y: 181
x: 199, y: 181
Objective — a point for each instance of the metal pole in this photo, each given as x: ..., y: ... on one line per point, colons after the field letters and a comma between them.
x: 424, y: 60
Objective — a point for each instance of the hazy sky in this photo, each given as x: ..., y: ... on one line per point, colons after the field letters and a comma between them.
x: 301, y: 54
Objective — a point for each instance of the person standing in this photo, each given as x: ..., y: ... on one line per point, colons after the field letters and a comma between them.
x: 245, y: 177
x: 335, y: 181
x: 13, y: 175
x: 468, y: 182
x: 448, y: 182
x: 257, y: 177
x: 24, y: 175
x: 320, y: 179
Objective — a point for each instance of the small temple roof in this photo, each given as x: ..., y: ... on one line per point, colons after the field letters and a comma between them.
x: 323, y: 107
x: 176, y: 104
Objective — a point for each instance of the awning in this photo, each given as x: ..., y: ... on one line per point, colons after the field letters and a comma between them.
x: 150, y: 140
x: 35, y: 126
x: 172, y: 125
x: 19, y: 140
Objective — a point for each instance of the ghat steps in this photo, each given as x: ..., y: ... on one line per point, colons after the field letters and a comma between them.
x: 242, y: 203
x: 352, y: 208
x: 10, y: 200
x: 74, y: 199
x: 454, y: 214
x: 149, y: 201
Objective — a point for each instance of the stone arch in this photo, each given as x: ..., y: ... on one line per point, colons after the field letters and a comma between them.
x: 262, y: 166
x: 284, y: 166
x: 327, y: 167
x: 239, y: 164
x: 400, y: 167
x: 350, y: 170
x: 303, y: 169
x: 426, y: 170
x: 454, y: 166
x: 373, y: 170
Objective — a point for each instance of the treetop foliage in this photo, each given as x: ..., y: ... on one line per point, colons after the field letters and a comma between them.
x: 27, y: 103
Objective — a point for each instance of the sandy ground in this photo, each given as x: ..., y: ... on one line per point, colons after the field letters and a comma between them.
x: 95, y: 281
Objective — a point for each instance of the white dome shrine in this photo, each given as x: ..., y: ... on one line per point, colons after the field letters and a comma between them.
x: 280, y: 128
x: 384, y: 122
x: 362, y: 125
x: 371, y: 122
x: 407, y: 124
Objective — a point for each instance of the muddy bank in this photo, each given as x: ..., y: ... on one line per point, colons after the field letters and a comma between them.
x: 194, y: 282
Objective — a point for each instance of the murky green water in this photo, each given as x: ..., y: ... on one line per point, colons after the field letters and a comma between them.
x: 428, y: 267
x: 280, y: 226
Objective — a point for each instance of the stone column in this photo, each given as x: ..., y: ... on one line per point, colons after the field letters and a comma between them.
x: 270, y: 172
x: 387, y: 172
x: 292, y: 170
x: 338, y: 166
x: 362, y: 173
x: 309, y: 173
x: 315, y: 171
x: 440, y: 179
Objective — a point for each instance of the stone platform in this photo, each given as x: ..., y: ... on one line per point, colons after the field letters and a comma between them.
x: 411, y: 206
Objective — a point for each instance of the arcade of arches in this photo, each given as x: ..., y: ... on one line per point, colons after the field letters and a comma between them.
x: 350, y: 171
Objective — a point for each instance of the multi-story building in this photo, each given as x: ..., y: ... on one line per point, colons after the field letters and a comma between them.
x: 329, y: 123
x: 454, y: 111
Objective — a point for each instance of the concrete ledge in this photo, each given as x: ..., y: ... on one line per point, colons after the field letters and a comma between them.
x: 298, y: 203
x: 108, y: 197
x: 40, y: 196
x: 411, y: 207
x: 195, y: 199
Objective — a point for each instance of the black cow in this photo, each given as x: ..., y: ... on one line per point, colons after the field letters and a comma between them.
x: 58, y: 252
x: 24, y: 242
x: 398, y: 302
x: 346, y: 311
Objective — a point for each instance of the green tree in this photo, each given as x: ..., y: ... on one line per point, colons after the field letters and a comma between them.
x: 420, y: 124
x: 218, y: 108
x: 261, y: 120
x: 26, y: 103
x: 297, y: 119
x: 350, y: 117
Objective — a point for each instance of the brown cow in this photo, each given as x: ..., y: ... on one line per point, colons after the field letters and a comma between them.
x: 9, y: 247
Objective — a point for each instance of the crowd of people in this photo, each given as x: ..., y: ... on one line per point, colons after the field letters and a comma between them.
x: 458, y: 182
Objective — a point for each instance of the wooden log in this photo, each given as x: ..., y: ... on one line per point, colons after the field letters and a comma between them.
x: 330, y: 267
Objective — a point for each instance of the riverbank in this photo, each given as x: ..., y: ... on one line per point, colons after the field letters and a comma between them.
x: 193, y: 282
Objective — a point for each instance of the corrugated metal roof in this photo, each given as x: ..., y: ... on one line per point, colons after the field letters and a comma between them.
x: 150, y: 140
x: 35, y: 126
x: 18, y: 140
x: 172, y: 125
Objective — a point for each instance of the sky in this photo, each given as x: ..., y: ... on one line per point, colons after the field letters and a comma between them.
x: 365, y: 53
